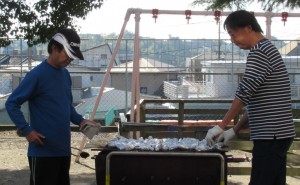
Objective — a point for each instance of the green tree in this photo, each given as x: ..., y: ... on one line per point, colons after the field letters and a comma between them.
x: 37, y: 20
x: 267, y: 5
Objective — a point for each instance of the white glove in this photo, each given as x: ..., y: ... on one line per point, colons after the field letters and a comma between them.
x: 212, y: 134
x: 226, y: 136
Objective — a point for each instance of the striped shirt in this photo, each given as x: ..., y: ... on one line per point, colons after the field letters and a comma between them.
x: 265, y: 90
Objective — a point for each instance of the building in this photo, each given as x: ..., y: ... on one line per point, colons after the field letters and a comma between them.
x: 96, y: 57
x: 217, y: 76
x: 152, y: 75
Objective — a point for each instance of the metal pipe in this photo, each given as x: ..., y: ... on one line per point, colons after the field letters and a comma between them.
x: 84, y: 139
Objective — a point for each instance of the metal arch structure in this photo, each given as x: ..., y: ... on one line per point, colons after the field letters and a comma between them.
x: 135, y: 83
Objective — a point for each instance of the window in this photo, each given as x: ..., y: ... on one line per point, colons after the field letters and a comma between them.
x: 103, y: 56
x: 143, y: 90
x: 292, y: 78
x: 209, y: 77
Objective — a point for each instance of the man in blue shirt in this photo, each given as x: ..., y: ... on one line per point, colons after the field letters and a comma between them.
x: 47, y: 88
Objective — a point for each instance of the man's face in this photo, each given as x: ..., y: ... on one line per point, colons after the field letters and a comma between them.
x: 62, y: 59
x: 240, y: 37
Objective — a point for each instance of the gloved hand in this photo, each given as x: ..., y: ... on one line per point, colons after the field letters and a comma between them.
x: 226, y: 136
x: 89, y: 128
x: 212, y: 134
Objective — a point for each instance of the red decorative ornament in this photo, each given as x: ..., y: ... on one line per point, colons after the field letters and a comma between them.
x: 284, y: 16
x: 155, y: 13
x: 217, y: 15
x: 188, y: 14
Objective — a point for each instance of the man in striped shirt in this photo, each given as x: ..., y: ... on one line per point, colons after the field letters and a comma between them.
x: 265, y: 92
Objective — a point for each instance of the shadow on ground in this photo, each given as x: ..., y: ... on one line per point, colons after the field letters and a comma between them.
x: 83, y: 179
x: 21, y: 177
x: 14, y: 177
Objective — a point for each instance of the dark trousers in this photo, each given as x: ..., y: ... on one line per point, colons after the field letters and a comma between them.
x: 269, y: 162
x: 49, y: 170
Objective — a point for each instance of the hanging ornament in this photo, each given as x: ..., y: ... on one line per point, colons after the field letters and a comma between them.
x: 284, y: 16
x: 217, y: 15
x: 188, y: 14
x: 155, y: 13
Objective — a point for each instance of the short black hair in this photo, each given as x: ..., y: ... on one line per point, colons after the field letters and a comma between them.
x: 241, y: 19
x: 59, y: 46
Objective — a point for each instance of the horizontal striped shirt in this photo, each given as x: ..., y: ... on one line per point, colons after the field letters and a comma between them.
x: 265, y: 90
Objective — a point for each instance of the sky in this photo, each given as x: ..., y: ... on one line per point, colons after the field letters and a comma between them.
x: 110, y: 19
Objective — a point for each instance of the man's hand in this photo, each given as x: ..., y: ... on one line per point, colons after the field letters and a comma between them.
x: 89, y: 128
x: 35, y: 137
x: 212, y: 134
x: 226, y: 136
x: 86, y: 122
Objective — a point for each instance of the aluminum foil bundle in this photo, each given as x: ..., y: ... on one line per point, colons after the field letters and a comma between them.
x: 149, y: 144
x: 202, y: 146
x: 188, y: 143
x: 169, y: 143
x: 165, y: 144
x: 122, y: 143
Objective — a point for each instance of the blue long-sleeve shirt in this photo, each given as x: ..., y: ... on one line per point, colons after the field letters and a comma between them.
x: 48, y: 92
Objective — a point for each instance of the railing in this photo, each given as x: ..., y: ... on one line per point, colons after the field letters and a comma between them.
x: 2, y: 101
x: 182, y: 108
